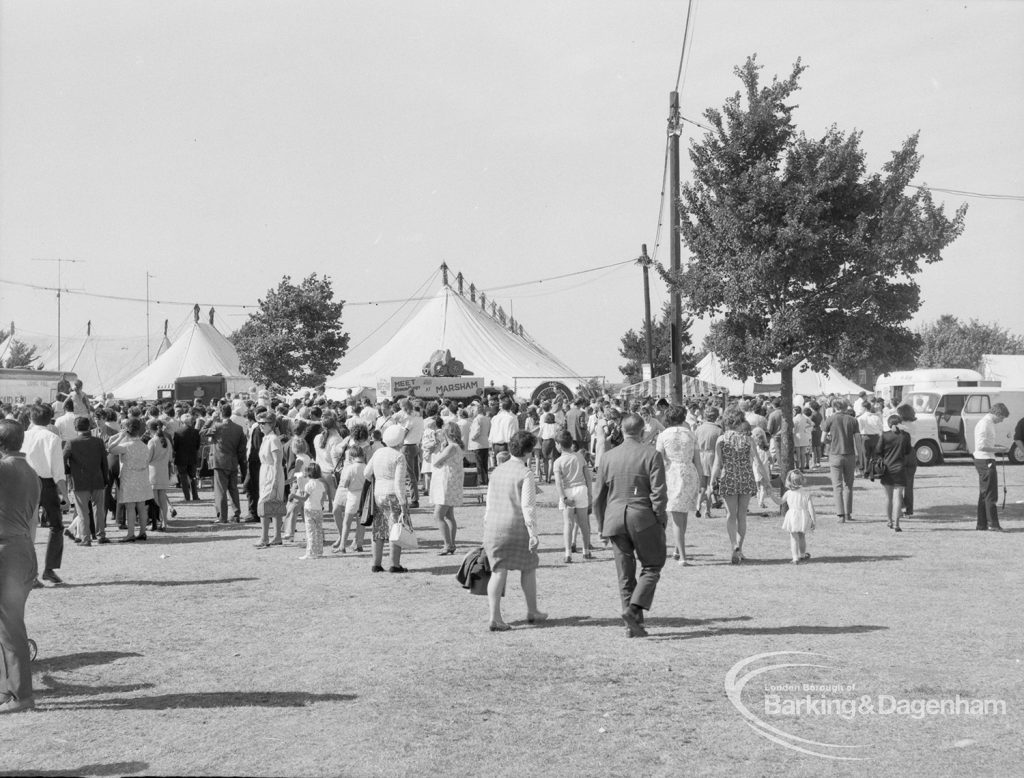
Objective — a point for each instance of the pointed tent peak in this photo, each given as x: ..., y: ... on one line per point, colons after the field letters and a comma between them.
x: 212, y: 310
x: 165, y: 328
x: 195, y: 312
x: 459, y: 279
x: 88, y: 328
x: 444, y: 274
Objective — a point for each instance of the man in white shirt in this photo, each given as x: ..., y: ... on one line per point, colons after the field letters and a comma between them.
x: 479, y: 436
x: 985, y: 463
x: 65, y: 424
x: 369, y: 415
x: 503, y: 426
x: 43, y: 452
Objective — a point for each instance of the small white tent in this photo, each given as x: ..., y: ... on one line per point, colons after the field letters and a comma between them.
x: 805, y: 382
x: 488, y: 348
x: 200, y: 350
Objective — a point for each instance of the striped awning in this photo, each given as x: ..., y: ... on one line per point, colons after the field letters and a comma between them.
x: 661, y: 386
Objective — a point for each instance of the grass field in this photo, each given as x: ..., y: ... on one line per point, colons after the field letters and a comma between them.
x: 195, y: 653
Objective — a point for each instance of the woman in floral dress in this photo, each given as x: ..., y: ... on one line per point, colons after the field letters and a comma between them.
x: 683, y: 470
x: 735, y: 461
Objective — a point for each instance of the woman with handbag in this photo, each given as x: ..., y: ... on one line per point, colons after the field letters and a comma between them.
x: 893, y: 447
x: 510, y: 530
x: 271, y: 503
x: 387, y: 468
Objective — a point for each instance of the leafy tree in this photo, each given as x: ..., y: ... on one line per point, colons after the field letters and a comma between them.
x: 949, y: 342
x: 634, y: 347
x: 295, y: 338
x: 19, y: 353
x: 799, y: 251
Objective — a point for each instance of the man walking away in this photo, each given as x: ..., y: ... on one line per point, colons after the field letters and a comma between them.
x: 841, y: 433
x: 42, y: 451
x: 85, y: 459
x: 630, y: 507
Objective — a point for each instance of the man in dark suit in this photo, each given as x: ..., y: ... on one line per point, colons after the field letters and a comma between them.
x: 252, y: 479
x: 85, y: 459
x: 187, y: 443
x: 630, y: 508
x: 228, y: 439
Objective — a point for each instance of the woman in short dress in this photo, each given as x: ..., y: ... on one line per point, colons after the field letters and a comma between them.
x: 388, y: 468
x: 271, y: 480
x: 510, y: 530
x: 678, y: 447
x: 734, y: 466
x: 446, y: 485
x: 894, y: 447
x: 160, y: 452
x: 133, y: 487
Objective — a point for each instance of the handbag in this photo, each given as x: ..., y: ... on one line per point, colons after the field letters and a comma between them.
x: 274, y: 508
x: 403, y: 536
x: 875, y: 468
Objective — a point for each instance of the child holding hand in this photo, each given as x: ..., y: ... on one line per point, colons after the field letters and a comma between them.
x: 316, y: 500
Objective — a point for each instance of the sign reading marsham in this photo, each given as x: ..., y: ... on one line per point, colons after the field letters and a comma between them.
x: 428, y: 386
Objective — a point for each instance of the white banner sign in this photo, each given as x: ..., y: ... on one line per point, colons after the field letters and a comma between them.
x: 426, y: 386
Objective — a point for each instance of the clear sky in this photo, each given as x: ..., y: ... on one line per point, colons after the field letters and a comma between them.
x: 220, y: 145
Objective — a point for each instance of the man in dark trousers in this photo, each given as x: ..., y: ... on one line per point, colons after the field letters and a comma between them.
x: 19, y: 500
x: 187, y: 444
x: 252, y: 478
x: 228, y: 439
x: 85, y: 459
x: 630, y: 508
x: 576, y: 424
x: 43, y: 452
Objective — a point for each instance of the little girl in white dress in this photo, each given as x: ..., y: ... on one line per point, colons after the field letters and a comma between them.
x: 800, y: 518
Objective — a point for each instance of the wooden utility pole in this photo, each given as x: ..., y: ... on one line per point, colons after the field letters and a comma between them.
x: 60, y: 264
x: 673, y: 209
x: 645, y: 262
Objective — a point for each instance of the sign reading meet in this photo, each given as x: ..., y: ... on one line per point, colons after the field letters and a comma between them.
x: 426, y: 386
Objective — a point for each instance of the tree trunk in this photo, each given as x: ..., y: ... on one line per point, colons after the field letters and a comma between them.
x: 786, y: 449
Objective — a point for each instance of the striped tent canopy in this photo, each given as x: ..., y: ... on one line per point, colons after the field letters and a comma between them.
x: 661, y: 386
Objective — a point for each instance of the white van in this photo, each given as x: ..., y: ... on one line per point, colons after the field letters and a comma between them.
x: 895, y: 386
x: 946, y: 419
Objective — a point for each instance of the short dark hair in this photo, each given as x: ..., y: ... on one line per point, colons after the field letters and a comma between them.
x: 1000, y: 410
x: 522, y: 443
x: 225, y: 411
x: 82, y: 423
x: 41, y: 415
x: 12, y: 435
x: 676, y: 414
x: 564, y: 439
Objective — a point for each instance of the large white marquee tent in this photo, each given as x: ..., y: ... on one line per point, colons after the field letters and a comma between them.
x: 450, y: 320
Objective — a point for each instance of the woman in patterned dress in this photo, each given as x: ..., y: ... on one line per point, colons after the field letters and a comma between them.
x: 446, y: 485
x: 683, y: 470
x: 133, y: 487
x: 387, y: 467
x: 510, y: 530
x: 735, y: 461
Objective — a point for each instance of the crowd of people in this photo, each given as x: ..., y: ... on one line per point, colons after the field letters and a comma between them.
x: 636, y: 466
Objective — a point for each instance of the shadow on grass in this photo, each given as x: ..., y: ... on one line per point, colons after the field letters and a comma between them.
x: 669, y: 621
x: 202, y: 700
x: 801, y: 629
x: 113, y: 768
x: 194, y: 582
x: 56, y: 688
x: 832, y: 560
x: 74, y: 661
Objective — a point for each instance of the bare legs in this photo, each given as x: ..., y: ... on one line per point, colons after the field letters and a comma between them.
x: 573, y: 518
x: 798, y: 545
x: 160, y: 495
x: 679, y: 521
x: 736, y: 522
x: 265, y: 535
x: 894, y: 505
x: 495, y: 587
x: 444, y: 517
